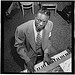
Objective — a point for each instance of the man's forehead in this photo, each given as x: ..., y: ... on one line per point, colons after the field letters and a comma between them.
x: 42, y: 15
x: 39, y: 14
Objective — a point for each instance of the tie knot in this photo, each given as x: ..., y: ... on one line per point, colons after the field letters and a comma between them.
x: 38, y: 35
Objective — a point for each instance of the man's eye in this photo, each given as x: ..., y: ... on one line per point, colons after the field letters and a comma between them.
x: 44, y: 21
x: 39, y: 20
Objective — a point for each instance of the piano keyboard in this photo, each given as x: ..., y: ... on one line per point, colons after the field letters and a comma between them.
x: 57, y: 59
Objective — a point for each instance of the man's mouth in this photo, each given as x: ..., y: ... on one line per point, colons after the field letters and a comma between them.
x: 39, y: 28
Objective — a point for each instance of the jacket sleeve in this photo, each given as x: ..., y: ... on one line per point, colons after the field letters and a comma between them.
x: 50, y: 49
x: 19, y: 43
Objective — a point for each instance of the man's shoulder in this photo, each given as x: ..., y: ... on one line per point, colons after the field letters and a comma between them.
x: 25, y: 25
x: 49, y: 26
x: 50, y: 22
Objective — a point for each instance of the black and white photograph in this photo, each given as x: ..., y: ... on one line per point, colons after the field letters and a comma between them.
x: 37, y: 36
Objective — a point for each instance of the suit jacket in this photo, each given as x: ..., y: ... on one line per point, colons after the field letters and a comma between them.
x: 25, y: 40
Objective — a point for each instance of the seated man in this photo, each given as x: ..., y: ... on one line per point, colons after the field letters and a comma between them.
x: 32, y: 40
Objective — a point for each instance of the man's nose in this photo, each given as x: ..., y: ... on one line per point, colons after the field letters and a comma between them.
x: 41, y: 23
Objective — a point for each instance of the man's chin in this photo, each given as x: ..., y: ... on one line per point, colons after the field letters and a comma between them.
x: 38, y: 30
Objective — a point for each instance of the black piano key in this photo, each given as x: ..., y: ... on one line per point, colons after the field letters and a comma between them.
x: 58, y: 59
x: 38, y: 68
x: 69, y: 50
x: 53, y: 60
x: 41, y: 67
x: 67, y: 54
x: 62, y: 56
x: 44, y: 65
x: 48, y: 63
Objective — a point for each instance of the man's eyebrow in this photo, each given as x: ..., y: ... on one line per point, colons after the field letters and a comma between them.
x: 44, y: 21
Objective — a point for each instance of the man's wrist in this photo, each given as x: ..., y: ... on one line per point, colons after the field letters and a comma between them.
x: 46, y: 51
x: 45, y: 54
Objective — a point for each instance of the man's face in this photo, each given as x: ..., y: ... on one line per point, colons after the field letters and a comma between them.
x: 41, y: 21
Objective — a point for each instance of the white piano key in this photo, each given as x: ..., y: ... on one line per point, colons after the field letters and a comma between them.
x: 39, y: 68
x: 46, y: 64
x: 38, y: 65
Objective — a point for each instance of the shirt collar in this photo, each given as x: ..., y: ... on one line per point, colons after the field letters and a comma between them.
x: 34, y: 26
x: 35, y: 32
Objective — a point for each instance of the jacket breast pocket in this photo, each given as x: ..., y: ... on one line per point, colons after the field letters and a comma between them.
x: 49, y: 35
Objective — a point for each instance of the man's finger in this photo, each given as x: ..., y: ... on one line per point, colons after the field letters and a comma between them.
x: 48, y: 62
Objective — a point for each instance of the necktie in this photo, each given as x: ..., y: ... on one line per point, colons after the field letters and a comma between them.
x: 39, y: 41
x: 39, y: 50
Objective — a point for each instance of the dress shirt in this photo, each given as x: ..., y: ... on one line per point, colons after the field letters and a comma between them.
x: 35, y: 32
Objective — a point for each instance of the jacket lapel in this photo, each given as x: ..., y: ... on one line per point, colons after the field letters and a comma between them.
x: 30, y: 36
x: 45, y: 38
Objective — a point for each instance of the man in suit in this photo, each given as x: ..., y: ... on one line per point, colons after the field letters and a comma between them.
x: 29, y: 47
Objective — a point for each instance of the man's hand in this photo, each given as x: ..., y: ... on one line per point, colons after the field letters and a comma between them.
x: 30, y: 66
x: 46, y: 58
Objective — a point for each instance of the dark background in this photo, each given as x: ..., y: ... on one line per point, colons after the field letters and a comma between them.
x: 61, y: 34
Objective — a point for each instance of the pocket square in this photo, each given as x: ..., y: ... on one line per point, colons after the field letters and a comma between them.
x: 50, y: 34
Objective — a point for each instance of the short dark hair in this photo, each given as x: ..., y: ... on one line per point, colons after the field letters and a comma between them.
x: 43, y: 11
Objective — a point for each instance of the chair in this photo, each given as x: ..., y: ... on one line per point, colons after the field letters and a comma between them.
x: 27, y: 5
x: 49, y: 6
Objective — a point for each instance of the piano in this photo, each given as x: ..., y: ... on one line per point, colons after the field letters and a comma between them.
x: 60, y: 59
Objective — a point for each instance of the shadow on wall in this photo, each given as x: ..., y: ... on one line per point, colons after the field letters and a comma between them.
x: 15, y: 55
